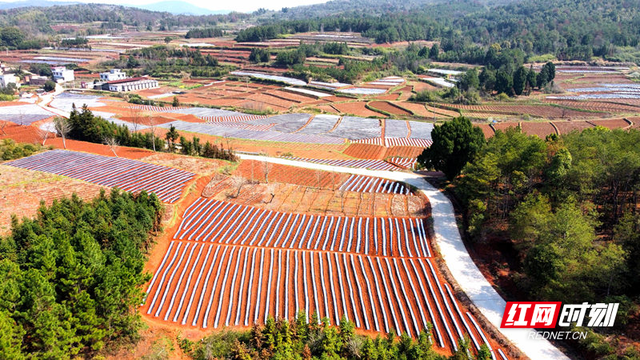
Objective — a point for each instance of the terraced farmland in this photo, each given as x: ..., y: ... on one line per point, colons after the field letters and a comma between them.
x: 231, y: 265
x: 234, y: 224
x: 129, y: 175
x: 363, y: 183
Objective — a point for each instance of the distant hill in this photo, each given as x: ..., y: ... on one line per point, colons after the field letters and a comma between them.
x: 180, y: 8
x: 33, y: 3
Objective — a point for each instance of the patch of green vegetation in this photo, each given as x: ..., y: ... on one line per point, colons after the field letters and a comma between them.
x: 10, y: 150
x: 541, y: 58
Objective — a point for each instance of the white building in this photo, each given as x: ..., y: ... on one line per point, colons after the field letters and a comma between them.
x: 61, y: 73
x: 112, y: 75
x: 130, y: 84
x: 6, y: 79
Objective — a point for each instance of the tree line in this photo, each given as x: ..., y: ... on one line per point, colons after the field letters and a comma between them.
x: 204, y: 33
x: 316, y: 338
x: 566, y: 29
x: 84, y: 126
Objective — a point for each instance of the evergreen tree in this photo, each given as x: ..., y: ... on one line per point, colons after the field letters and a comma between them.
x: 519, y: 80
x: 454, y: 144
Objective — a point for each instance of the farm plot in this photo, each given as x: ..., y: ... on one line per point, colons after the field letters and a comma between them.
x: 362, y: 91
x: 215, y: 286
x: 307, y: 92
x: 287, y: 123
x: 420, y: 130
x: 543, y: 111
x: 540, y: 129
x: 160, y: 109
x: 421, y: 143
x: 65, y: 101
x: 362, y: 183
x: 320, y: 124
x: 366, y: 151
x: 406, y: 163
x: 354, y: 128
x: 255, y: 171
x: 284, y: 79
x: 396, y: 128
x: 205, y: 113
x: 217, y: 130
x: 417, y: 109
x: 369, y: 141
x: 410, y: 152
x: 362, y: 164
x: 612, y: 123
x: 601, y: 106
x: 389, y: 108
x: 24, y: 114
x: 210, y: 220
x: 232, y: 118
x: 565, y: 127
x: 129, y: 175
x: 357, y: 108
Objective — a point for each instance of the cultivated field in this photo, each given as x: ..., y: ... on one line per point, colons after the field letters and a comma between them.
x: 129, y: 175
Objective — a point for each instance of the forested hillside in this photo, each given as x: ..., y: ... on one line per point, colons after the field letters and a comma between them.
x: 72, y: 276
x: 568, y: 29
x: 563, y: 211
x: 39, y: 19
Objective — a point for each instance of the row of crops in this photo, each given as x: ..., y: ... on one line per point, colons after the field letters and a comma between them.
x: 209, y: 220
x: 213, y: 286
x: 129, y: 175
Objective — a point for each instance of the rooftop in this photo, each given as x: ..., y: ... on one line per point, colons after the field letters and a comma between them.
x: 122, y: 81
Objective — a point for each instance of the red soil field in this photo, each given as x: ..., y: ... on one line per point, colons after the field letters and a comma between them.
x: 416, y: 108
x: 566, y: 127
x: 271, y: 100
x: 443, y: 112
x: 255, y: 170
x: 419, y: 86
x: 389, y: 107
x: 291, y: 96
x: 504, y: 126
x: 357, y: 109
x: 540, y: 129
x: 336, y: 98
x: 392, y: 96
x: 29, y: 134
x: 487, y: 130
x: 611, y: 123
x: 366, y: 151
x: 326, y: 108
x: 550, y: 112
x: 383, y: 293
x: 597, y: 106
x: 22, y: 191
x: 404, y: 151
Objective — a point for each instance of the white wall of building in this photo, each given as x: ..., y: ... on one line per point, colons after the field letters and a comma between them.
x: 113, y: 74
x: 62, y: 73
